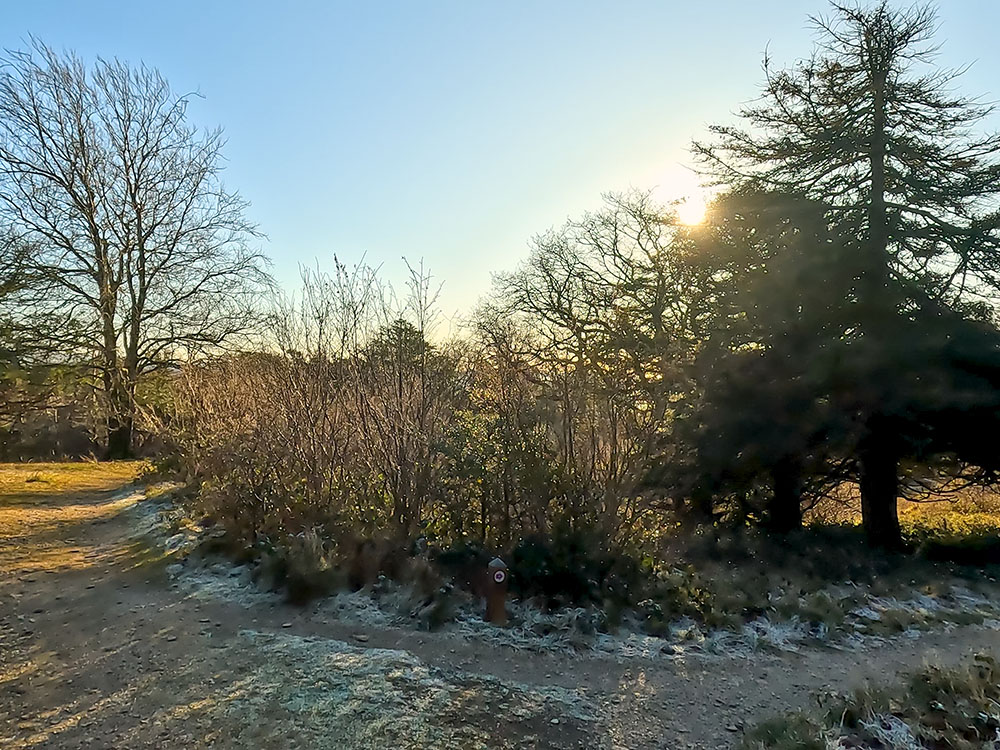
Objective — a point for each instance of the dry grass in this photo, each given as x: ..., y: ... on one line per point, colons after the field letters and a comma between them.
x: 28, y: 483
x: 936, y: 707
x: 42, y: 503
x: 962, y: 526
x: 843, y: 506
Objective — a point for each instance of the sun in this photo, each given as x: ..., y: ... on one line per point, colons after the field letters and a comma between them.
x: 680, y: 188
x: 691, y: 210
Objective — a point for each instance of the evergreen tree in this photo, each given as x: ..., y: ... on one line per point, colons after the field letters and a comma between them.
x: 765, y: 424
x: 870, y: 127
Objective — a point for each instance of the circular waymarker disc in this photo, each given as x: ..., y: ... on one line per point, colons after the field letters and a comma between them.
x: 499, y: 576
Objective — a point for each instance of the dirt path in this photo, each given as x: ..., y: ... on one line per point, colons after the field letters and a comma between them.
x: 100, y: 649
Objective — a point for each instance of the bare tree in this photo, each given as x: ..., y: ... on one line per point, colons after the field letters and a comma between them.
x: 616, y: 309
x: 139, y: 252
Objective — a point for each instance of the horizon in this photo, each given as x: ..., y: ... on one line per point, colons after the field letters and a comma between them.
x: 451, y: 135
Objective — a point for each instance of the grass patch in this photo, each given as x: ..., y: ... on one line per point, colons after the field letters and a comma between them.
x: 29, y: 483
x: 969, y: 538
x: 793, y: 732
x: 936, y: 707
x: 824, y: 577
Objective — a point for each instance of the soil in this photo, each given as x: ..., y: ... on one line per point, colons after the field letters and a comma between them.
x: 101, y: 648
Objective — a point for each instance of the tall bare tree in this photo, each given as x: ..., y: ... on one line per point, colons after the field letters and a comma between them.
x: 140, y: 254
x: 616, y: 309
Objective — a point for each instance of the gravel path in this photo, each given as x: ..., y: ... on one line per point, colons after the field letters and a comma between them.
x: 100, y: 648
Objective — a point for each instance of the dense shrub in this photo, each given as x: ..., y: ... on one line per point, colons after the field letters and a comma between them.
x: 355, y: 432
x: 572, y: 568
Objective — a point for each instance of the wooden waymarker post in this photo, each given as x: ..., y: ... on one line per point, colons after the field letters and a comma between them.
x: 496, y: 592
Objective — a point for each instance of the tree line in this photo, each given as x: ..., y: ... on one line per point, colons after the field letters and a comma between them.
x: 831, y: 323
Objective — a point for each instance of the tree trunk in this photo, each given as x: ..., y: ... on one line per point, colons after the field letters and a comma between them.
x: 121, y: 419
x: 879, y: 482
x: 877, y: 266
x: 119, y: 437
x: 700, y: 509
x: 877, y: 455
x: 785, y: 508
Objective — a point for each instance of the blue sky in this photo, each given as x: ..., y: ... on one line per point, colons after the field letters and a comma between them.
x: 454, y: 131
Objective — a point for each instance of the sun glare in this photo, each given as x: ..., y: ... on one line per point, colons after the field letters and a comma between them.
x: 680, y: 188
x: 691, y: 210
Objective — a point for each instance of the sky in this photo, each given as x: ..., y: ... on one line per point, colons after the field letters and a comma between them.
x: 452, y: 132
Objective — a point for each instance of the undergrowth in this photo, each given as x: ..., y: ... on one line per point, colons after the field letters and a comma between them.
x: 822, y: 578
x: 937, y: 707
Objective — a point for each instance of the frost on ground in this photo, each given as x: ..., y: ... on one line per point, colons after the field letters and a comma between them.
x: 164, y: 526
x: 572, y: 630
x: 891, y: 732
x: 871, y: 620
x: 317, y: 693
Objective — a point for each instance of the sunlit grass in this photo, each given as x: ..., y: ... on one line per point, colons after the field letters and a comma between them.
x: 954, y: 525
x: 41, y: 504
x: 29, y: 482
x: 972, y: 514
